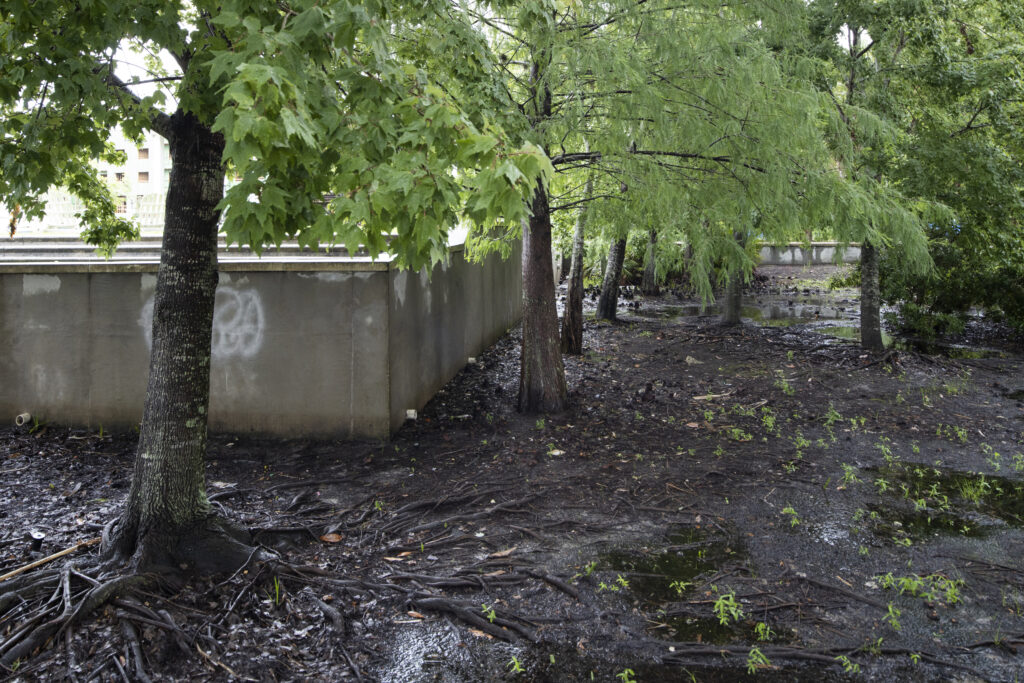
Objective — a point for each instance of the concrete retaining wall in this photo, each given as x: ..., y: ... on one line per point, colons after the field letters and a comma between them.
x: 820, y: 253
x: 302, y: 346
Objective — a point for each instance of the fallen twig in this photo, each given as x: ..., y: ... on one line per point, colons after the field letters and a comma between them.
x: 50, y: 558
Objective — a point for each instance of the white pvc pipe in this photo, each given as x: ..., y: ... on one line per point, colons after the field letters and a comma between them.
x: 22, y: 419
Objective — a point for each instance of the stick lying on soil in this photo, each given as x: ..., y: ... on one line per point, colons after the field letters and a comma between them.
x: 51, y: 558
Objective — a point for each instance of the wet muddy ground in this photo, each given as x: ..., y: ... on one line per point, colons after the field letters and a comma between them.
x: 761, y: 502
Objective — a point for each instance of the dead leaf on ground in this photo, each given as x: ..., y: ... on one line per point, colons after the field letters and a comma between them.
x: 504, y: 553
x: 331, y: 538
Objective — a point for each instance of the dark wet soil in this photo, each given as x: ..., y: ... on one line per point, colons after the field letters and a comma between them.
x: 716, y: 501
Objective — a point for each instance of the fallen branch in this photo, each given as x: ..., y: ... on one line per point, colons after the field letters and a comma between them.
x: 50, y: 558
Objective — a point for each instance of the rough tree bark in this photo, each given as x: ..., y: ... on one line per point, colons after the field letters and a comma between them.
x: 649, y: 284
x: 572, y: 321
x: 167, y: 521
x: 733, y: 304
x: 870, y: 299
x: 542, y: 387
x: 609, y: 299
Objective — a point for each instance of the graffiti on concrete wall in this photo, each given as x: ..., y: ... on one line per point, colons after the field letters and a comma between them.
x: 238, y: 323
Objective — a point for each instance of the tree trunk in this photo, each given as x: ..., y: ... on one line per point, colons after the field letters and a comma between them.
x: 870, y: 299
x: 609, y: 299
x: 542, y: 387
x: 733, y: 307
x: 167, y: 520
x: 572, y: 321
x: 649, y: 284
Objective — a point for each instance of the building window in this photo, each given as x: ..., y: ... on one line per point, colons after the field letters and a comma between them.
x: 143, y: 176
x: 143, y: 152
x: 103, y: 174
x: 122, y: 204
x: 119, y: 176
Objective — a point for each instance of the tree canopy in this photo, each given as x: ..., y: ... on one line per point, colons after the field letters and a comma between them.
x: 334, y: 134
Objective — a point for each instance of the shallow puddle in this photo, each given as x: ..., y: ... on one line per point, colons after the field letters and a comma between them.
x: 664, y: 575
x: 765, y: 310
x: 942, y: 500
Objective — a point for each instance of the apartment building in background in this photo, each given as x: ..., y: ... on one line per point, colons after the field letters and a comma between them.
x: 139, y: 186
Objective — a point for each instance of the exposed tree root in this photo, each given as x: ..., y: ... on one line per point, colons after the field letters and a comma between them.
x: 494, y: 625
x: 36, y: 609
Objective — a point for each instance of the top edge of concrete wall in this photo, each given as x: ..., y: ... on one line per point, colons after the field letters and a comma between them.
x: 67, y: 256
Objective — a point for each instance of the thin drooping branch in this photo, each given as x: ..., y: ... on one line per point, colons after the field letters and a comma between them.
x: 585, y: 200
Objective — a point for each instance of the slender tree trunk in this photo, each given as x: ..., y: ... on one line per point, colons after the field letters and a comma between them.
x: 649, y: 284
x: 870, y: 299
x: 542, y: 387
x: 167, y: 519
x: 731, y: 313
x: 572, y: 321
x: 609, y: 299
x: 733, y: 307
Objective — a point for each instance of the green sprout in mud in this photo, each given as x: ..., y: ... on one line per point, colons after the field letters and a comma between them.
x: 892, y: 617
x: 849, y: 475
x: 588, y: 569
x: 886, y: 450
x: 276, y: 594
x: 719, y: 451
x: 951, y: 433
x: 709, y: 415
x: 620, y: 583
x: 782, y: 383
x: 1018, y: 462
x: 794, y: 519
x: 928, y: 588
x: 756, y: 660
x: 680, y: 587
x: 745, y: 411
x: 1014, y: 602
x: 763, y: 631
x: 992, y: 457
x: 848, y: 666
x: 768, y: 420
x: 727, y: 609
x: 737, y: 434
x: 515, y: 666
x: 540, y: 424
x: 800, y: 443
x: 832, y: 416
x: 974, y: 490
x: 488, y: 612
x: 626, y: 676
